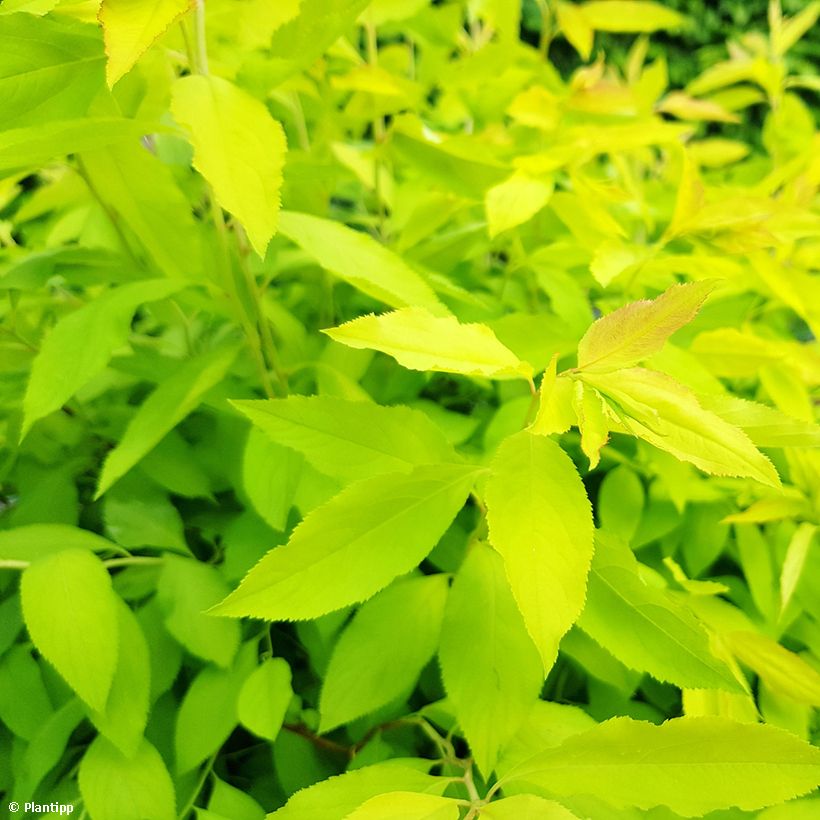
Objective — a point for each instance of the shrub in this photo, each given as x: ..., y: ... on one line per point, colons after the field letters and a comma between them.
x: 395, y: 427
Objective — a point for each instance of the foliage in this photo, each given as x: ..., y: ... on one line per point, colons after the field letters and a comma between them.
x: 396, y: 427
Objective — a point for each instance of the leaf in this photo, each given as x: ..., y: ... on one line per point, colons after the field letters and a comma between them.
x: 630, y: 15
x: 634, y: 332
x: 185, y: 590
x: 239, y: 149
x: 360, y: 260
x: 66, y: 362
x: 670, y: 417
x: 170, y: 402
x: 555, y: 411
x: 693, y: 765
x: 515, y: 201
x: 24, y: 702
x: 130, y: 29
x: 123, y: 719
x: 491, y: 669
x: 407, y: 806
x: 795, y: 27
x: 33, y: 541
x: 336, y: 797
x: 644, y: 627
x: 115, y: 787
x: 620, y: 502
x: 783, y: 671
x: 592, y: 422
x: 70, y: 612
x: 265, y: 697
x: 52, y: 67
x: 420, y: 341
x: 576, y: 28
x: 382, y: 651
x: 540, y: 521
x: 799, y: 547
x: 526, y: 807
x: 350, y: 439
x: 213, y: 693
x: 312, y: 574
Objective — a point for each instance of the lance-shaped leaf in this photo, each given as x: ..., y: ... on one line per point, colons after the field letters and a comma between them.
x: 644, y: 627
x: 171, y: 402
x: 239, y: 149
x: 382, y: 651
x: 541, y: 522
x: 668, y: 415
x: 418, y: 340
x: 630, y: 15
x: 66, y: 361
x: 131, y: 27
x: 637, y: 330
x: 693, y: 765
x: 354, y: 545
x: 350, y: 439
x: 492, y: 670
x: 360, y: 260
x: 70, y: 612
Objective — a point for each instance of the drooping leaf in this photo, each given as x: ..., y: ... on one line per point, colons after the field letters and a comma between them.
x: 418, y: 340
x: 483, y: 630
x: 644, y: 627
x: 239, y: 149
x: 70, y: 612
x: 360, y: 260
x: 66, y: 362
x: 130, y: 28
x: 264, y: 698
x: 381, y: 653
x: 668, y: 415
x: 312, y: 574
x: 541, y: 522
x: 116, y: 787
x: 170, y: 402
x: 636, y: 331
x: 350, y: 439
x: 693, y: 765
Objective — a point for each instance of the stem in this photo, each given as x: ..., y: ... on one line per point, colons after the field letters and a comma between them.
x: 200, y: 784
x: 111, y: 563
x: 378, y: 129
x: 201, y: 39
x: 317, y: 740
x: 475, y: 797
x: 533, y: 405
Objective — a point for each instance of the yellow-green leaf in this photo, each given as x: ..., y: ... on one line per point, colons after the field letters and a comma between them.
x: 514, y: 202
x: 540, y: 521
x: 526, y: 807
x: 239, y: 149
x: 630, y: 15
x: 576, y: 28
x: 131, y: 26
x: 634, y: 332
x: 406, y: 806
x: 418, y: 340
x: 592, y: 422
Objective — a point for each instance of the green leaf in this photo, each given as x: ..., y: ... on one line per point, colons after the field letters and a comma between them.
x: 311, y: 574
x: 239, y: 149
x: 185, y: 589
x: 50, y: 69
x: 621, y: 502
x: 170, y: 402
x: 360, y: 260
x: 669, y: 416
x: 208, y: 712
x: 526, y: 807
x: 232, y: 803
x: 66, y: 361
x: 420, y: 341
x: 645, y: 627
x: 795, y: 561
x: 130, y: 28
x: 350, y: 439
x: 492, y: 671
x: 381, y: 653
x: 264, y: 698
x: 33, y: 541
x: 630, y: 15
x: 541, y: 522
x: 336, y: 797
x: 70, y: 612
x: 514, y: 202
x: 692, y: 765
x: 24, y: 702
x: 126, y: 710
x: 637, y: 330
x: 406, y: 806
x: 116, y: 787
